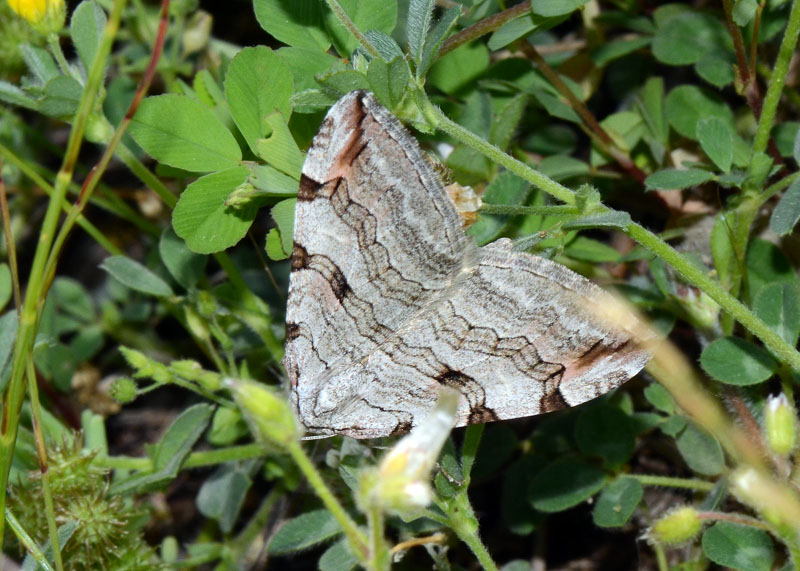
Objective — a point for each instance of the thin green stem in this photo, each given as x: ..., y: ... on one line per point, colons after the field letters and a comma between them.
x: 85, y: 225
x: 63, y: 64
x: 337, y: 9
x: 41, y: 450
x: 485, y: 26
x: 27, y: 541
x: 358, y: 541
x: 379, y: 553
x: 777, y: 80
x: 515, y: 210
x: 715, y: 291
x: 461, y: 519
x: 668, y: 482
x: 548, y: 185
x: 774, y: 189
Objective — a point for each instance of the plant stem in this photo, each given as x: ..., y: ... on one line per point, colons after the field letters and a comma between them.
x: 461, y: 519
x: 27, y: 541
x: 337, y: 9
x: 485, y: 26
x: 777, y: 80
x: 551, y: 187
x: 715, y: 291
x: 515, y: 210
x: 358, y: 541
x: 379, y: 554
x: 669, y: 482
x: 41, y: 451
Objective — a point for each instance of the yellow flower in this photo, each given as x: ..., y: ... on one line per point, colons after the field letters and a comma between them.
x: 46, y: 16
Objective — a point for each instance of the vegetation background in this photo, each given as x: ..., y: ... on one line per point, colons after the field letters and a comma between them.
x: 646, y: 145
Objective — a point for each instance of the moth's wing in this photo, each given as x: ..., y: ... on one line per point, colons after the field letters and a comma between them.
x: 517, y: 338
x: 376, y: 239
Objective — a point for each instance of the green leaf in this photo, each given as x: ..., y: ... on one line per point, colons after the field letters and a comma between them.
x: 565, y: 483
x: 62, y: 95
x: 519, y: 516
x: 222, y: 494
x: 675, y: 179
x: 787, y: 211
x: 702, y: 452
x: 590, y: 250
x: 5, y: 285
x: 258, y: 83
x: 660, y: 398
x: 738, y: 547
x: 306, y: 64
x: 39, y: 63
x: 272, y: 182
x: 86, y: 28
x: 735, y: 361
x: 778, y: 304
x: 170, y: 453
x: 386, y: 46
x: 552, y: 8
x: 796, y: 147
x: 179, y: 131
x: 279, y: 148
x: 611, y: 51
x: 766, y: 264
x: 562, y: 167
x: 606, y: 431
x: 511, y: 32
x: 297, y: 23
x: 718, y: 71
x: 457, y: 69
x: 617, y: 502
x: 744, y: 11
x: 785, y: 135
x: 420, y: 13
x: 688, y: 37
x: 506, y: 121
x: 338, y: 557
x: 181, y: 437
x: 185, y: 266
x: 134, y: 275
x: 688, y: 104
x: 716, y: 139
x: 722, y: 249
x: 554, y: 106
x: 507, y: 188
x: 279, y: 240
x: 63, y: 535
x: 341, y: 82
x: 304, y: 531
x: 8, y: 335
x: 652, y: 109
x: 388, y: 81
x: 201, y: 217
x: 12, y: 94
x: 436, y: 38
x: 366, y: 15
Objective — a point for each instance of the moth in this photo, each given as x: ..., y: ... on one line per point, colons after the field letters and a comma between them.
x: 389, y: 299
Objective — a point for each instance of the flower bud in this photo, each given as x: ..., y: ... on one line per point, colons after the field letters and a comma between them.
x: 45, y: 16
x: 401, y: 483
x: 269, y: 415
x: 780, y: 424
x: 123, y: 390
x: 677, y: 526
